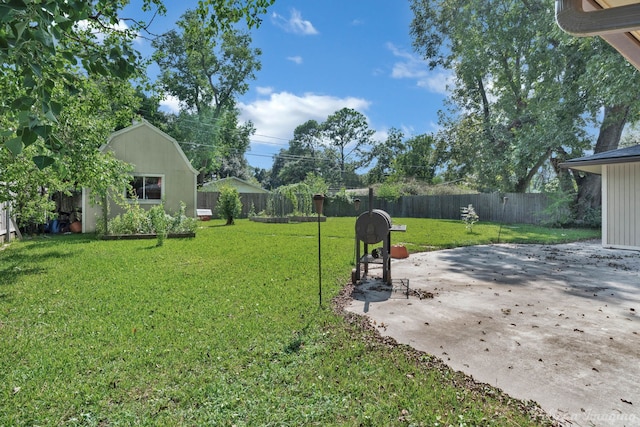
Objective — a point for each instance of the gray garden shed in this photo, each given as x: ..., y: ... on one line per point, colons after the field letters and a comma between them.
x: 161, y: 172
x: 620, y: 170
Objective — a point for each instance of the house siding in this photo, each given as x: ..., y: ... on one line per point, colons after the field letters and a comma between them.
x: 621, y: 206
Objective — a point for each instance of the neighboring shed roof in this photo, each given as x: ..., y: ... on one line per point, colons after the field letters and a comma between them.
x: 240, y: 184
x: 594, y: 162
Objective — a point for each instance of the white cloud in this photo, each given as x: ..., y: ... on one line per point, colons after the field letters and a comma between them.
x: 414, y: 68
x: 295, y: 24
x: 295, y: 59
x: 264, y: 90
x: 170, y: 104
x: 99, y: 34
x: 276, y: 117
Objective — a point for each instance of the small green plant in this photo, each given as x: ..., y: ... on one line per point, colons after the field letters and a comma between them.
x: 159, y: 222
x: 229, y: 204
x: 469, y: 217
x: 181, y: 223
x: 343, y: 196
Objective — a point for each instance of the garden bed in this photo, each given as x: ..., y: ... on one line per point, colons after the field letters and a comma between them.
x: 308, y: 219
x: 270, y: 219
x: 286, y: 219
x: 145, y: 236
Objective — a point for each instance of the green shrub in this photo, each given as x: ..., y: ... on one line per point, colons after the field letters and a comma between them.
x: 229, y: 204
x: 565, y: 211
x: 343, y: 196
x: 159, y: 222
x: 133, y: 221
x: 391, y: 191
x: 181, y: 223
x: 558, y: 213
x: 136, y: 220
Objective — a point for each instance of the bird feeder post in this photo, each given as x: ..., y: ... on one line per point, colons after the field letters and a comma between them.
x: 318, y: 200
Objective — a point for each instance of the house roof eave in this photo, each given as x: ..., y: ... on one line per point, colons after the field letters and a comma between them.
x: 595, y: 166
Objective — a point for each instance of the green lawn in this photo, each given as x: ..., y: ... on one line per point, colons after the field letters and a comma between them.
x: 222, y: 329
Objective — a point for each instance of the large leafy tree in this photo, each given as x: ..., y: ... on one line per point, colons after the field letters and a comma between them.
x: 197, y: 135
x: 43, y: 43
x: 324, y: 149
x: 233, y: 140
x: 302, y: 157
x: 418, y: 159
x: 525, y: 92
x: 348, y: 132
x: 610, y: 106
x: 205, y: 71
x: 385, y: 154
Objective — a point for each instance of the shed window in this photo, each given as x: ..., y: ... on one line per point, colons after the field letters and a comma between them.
x: 147, y: 188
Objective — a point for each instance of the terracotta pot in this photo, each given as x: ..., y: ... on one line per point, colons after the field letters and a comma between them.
x: 76, y: 227
x: 399, y: 251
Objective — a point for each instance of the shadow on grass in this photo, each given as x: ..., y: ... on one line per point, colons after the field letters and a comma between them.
x: 28, y: 259
x: 296, y: 344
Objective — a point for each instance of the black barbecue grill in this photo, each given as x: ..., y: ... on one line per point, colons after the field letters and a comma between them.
x: 374, y: 226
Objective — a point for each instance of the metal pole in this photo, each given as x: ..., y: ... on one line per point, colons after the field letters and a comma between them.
x: 319, y: 264
x: 504, y: 205
x: 356, y: 204
x: 318, y: 199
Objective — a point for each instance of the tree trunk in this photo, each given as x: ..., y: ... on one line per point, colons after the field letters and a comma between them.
x: 565, y: 178
x: 523, y: 182
x: 589, y: 185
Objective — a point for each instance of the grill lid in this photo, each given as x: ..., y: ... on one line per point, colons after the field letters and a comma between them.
x: 373, y: 226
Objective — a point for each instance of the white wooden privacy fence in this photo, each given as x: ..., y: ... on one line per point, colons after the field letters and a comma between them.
x: 507, y: 208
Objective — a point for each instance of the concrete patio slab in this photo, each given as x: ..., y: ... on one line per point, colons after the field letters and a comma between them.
x: 556, y: 324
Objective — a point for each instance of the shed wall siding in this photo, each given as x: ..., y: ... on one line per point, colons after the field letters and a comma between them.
x: 151, y: 153
x: 621, y: 205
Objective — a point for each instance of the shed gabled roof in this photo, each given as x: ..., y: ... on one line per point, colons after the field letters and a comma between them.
x: 146, y: 124
x: 594, y: 162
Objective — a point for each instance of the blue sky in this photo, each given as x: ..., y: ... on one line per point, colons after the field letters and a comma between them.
x: 321, y: 56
